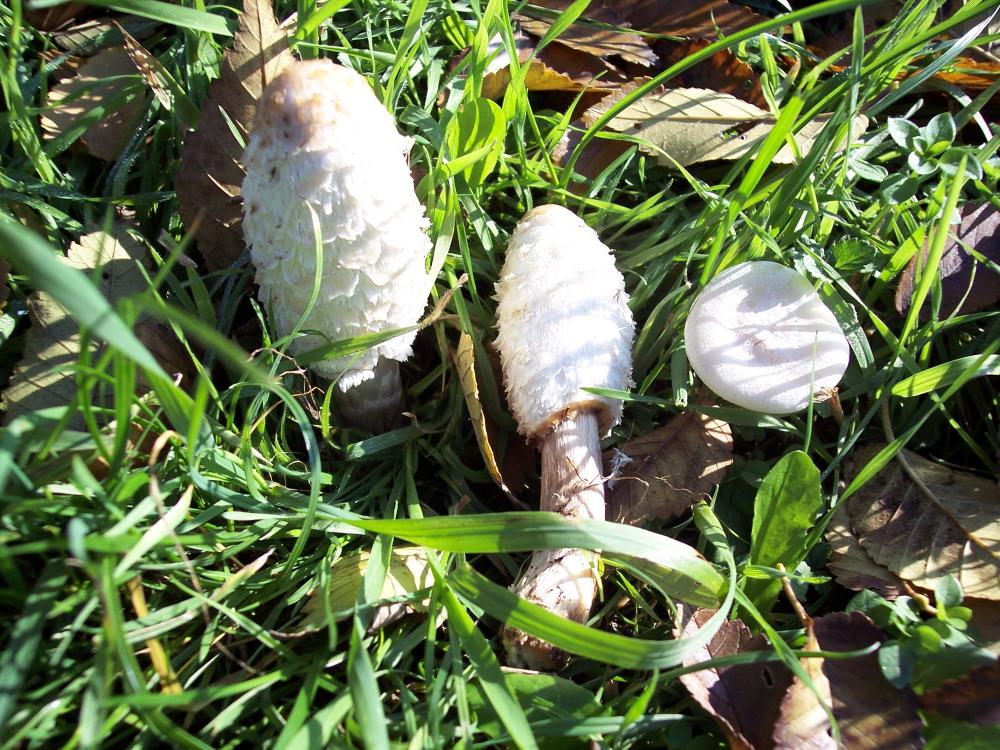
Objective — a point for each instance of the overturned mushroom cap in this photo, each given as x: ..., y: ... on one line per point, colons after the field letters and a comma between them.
x: 323, y: 146
x: 564, y: 322
x: 759, y: 336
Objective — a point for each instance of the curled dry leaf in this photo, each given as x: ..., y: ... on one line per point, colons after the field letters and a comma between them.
x: 408, y: 572
x: 208, y: 182
x: 743, y: 699
x: 44, y: 377
x: 687, y: 126
x: 852, y: 566
x: 555, y: 68
x: 870, y: 712
x: 974, y: 697
x: 686, y: 18
x: 951, y: 526
x: 98, y: 83
x: 465, y: 360
x: 671, y: 468
x: 966, y: 284
x: 48, y: 19
x: 803, y: 723
x: 594, y: 38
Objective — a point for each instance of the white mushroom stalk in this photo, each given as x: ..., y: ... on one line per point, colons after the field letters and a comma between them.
x: 564, y: 324
x: 324, y: 150
x: 760, y: 336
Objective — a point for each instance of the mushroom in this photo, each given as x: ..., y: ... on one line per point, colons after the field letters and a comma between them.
x: 564, y: 324
x: 760, y: 336
x: 325, y: 152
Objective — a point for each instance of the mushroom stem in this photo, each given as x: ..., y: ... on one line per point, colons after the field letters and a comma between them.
x: 374, y: 404
x: 564, y: 581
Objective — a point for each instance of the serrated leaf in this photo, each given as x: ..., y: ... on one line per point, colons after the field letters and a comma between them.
x: 44, y: 376
x: 851, y: 565
x: 210, y: 178
x: 951, y: 526
x: 98, y: 89
x: 670, y: 468
x: 686, y: 126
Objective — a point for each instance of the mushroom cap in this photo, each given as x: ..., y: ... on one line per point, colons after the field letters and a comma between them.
x: 759, y: 335
x: 323, y: 146
x: 564, y: 322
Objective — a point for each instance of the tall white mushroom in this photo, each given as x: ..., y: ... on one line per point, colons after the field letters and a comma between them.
x: 564, y: 324
x: 323, y: 146
x: 760, y: 336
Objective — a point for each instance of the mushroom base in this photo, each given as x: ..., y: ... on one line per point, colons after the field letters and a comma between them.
x: 564, y: 581
x: 376, y: 404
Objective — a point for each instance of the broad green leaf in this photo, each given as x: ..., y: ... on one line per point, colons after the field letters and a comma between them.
x: 784, y: 510
x: 478, y: 124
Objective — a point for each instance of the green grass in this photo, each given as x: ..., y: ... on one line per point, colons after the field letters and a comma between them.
x: 156, y: 563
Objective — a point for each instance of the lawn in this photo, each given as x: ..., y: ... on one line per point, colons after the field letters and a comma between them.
x: 199, y: 550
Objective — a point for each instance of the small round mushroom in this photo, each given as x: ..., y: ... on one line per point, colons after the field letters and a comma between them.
x: 324, y: 146
x: 564, y: 324
x: 760, y: 336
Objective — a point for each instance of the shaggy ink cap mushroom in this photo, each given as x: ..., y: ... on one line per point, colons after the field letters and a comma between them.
x: 760, y: 336
x: 564, y: 324
x: 323, y: 145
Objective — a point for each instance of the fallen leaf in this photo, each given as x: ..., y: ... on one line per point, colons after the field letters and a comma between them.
x: 166, y: 90
x: 985, y: 623
x: 952, y: 529
x: 671, y: 468
x: 210, y: 177
x: 592, y: 38
x: 723, y: 72
x: 802, y: 722
x: 87, y: 37
x: 851, y: 565
x: 974, y: 697
x: 408, y: 572
x: 465, y: 361
x: 686, y: 126
x: 686, y: 18
x: 98, y: 83
x: 49, y: 19
x: 599, y: 153
x: 44, y: 376
x: 966, y: 284
x: 971, y: 75
x: 743, y: 699
x: 554, y: 68
x: 871, y: 714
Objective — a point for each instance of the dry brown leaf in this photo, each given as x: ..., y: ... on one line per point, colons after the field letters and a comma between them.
x: 593, y: 39
x: 743, y: 699
x: 953, y: 530
x: 723, y: 72
x: 671, y: 468
x: 465, y: 360
x: 870, y: 712
x: 48, y: 19
x: 985, y: 623
x: 97, y: 83
x: 686, y: 18
x: 555, y: 68
x: 43, y: 377
x: 686, y: 126
x: 966, y: 284
x: 973, y: 697
x: 803, y: 723
x: 210, y: 178
x: 851, y: 565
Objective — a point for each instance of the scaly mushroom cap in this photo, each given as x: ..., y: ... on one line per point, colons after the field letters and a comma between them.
x: 759, y: 335
x: 324, y: 144
x: 564, y: 322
